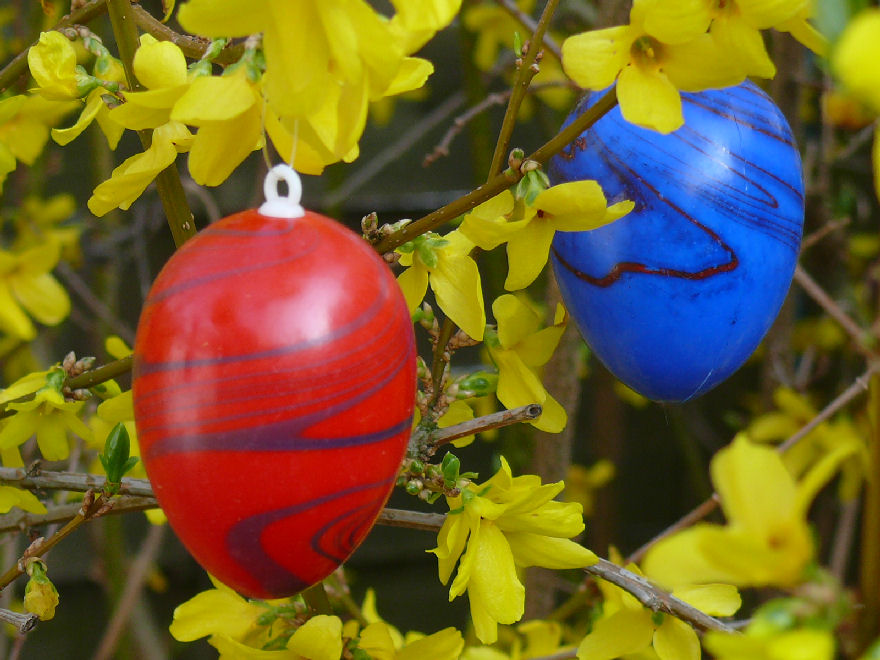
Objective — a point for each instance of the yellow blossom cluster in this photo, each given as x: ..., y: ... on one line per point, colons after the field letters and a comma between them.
x: 682, y: 45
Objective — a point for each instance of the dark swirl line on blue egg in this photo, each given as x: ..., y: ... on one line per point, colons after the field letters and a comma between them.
x: 243, y: 540
x: 618, y: 270
x: 756, y: 124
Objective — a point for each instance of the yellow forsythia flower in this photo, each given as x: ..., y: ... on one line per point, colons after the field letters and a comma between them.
x: 40, y: 595
x: 519, y: 347
x: 445, y: 263
x: 766, y: 541
x: 27, y: 285
x: 497, y: 526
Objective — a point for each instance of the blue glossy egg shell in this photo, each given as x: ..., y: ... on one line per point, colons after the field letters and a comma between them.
x: 675, y: 296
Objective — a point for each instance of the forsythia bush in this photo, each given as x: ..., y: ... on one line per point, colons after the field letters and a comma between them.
x: 201, y: 90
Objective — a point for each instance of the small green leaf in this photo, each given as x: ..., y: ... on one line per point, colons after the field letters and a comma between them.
x: 450, y: 467
x: 116, y: 458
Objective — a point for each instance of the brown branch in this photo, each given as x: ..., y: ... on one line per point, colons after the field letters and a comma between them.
x: 85, y: 380
x: 23, y: 520
x: 527, y: 69
x: 862, y: 339
x: 653, y: 598
x: 529, y: 23
x: 709, y: 505
x: 500, y: 182
x: 92, y: 507
x: 22, y: 622
x: 486, y: 423
x: 193, y: 47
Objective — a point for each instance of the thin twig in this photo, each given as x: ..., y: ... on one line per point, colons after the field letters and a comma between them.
x: 500, y: 182
x: 486, y: 423
x: 428, y: 522
x: 829, y: 227
x: 136, y: 575
x: 91, y: 507
x: 861, y: 338
x: 653, y: 598
x: 22, y: 622
x: 72, y: 481
x: 529, y: 23
x: 98, y: 307
x: 709, y: 505
x: 23, y: 520
x: 527, y: 69
x: 393, y: 151
x: 192, y: 47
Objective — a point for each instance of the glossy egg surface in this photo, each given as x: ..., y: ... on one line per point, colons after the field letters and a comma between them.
x: 675, y: 296
x: 274, y: 382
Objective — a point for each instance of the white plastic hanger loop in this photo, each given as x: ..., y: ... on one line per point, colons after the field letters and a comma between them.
x: 277, y: 205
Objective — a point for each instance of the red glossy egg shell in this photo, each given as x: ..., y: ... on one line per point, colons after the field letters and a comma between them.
x: 274, y: 381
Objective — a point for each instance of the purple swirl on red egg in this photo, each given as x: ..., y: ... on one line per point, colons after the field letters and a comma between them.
x: 274, y: 388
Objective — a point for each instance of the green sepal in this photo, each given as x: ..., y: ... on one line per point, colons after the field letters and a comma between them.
x: 117, y: 459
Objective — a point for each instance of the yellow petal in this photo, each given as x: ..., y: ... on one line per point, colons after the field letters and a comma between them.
x: 160, y: 64
x: 515, y: 319
x: 578, y: 206
x: 446, y: 644
x: 805, y: 33
x: 553, y: 419
x: 755, y: 488
x: 713, y: 599
x: 648, y: 99
x: 458, y: 412
x: 376, y: 641
x: 413, y: 73
x: 52, y: 63
x: 701, y: 64
x: 94, y: 103
x: 537, y: 349
x: 42, y: 296
x: 413, y: 283
x: 232, y: 649
x: 25, y: 500
x: 459, y: 292
x: 527, y: 254
x: 593, y: 59
x: 451, y: 541
x: 764, y: 14
x: 213, y: 611
x: 625, y: 631
x: 676, y: 640
x: 517, y: 384
x: 676, y: 22
x: 548, y: 551
x: 230, y: 18
x: 319, y: 638
x: 214, y: 98
x: 52, y: 438
x: 220, y: 147
x: 495, y: 593
x: 745, y: 43
x: 132, y: 177
x: 13, y: 320
x: 803, y: 644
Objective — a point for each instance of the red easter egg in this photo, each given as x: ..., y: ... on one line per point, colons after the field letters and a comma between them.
x: 274, y: 380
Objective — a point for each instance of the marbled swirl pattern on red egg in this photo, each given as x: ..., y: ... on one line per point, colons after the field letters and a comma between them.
x: 274, y: 387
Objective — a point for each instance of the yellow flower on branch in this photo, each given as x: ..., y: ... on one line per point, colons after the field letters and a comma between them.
x: 27, y: 287
x: 23, y: 499
x: 499, y: 525
x: 47, y: 415
x: 445, y: 263
x: 528, y: 228
x: 325, y: 61
x: 24, y: 128
x: 228, y: 112
x: 766, y: 541
x: 52, y: 62
x: 519, y: 347
x: 653, y: 58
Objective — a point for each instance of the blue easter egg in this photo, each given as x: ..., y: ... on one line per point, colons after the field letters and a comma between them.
x: 675, y: 296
